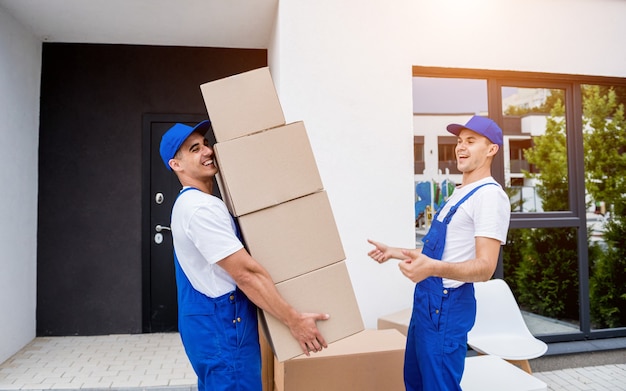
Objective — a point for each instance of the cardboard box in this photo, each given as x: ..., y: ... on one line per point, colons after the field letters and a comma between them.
x: 398, y: 320
x: 293, y: 238
x: 242, y: 104
x: 371, y: 360
x: 267, y: 169
x: 327, y: 290
x: 267, y: 363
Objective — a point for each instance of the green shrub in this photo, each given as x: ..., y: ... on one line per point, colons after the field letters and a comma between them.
x: 607, y: 282
x: 547, y: 275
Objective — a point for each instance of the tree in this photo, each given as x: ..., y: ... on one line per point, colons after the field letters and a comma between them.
x: 549, y: 155
x: 543, y: 262
x: 547, y: 272
x: 605, y: 144
x: 605, y: 173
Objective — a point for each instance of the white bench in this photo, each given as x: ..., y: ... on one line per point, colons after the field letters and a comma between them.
x: 490, y: 373
x: 482, y: 373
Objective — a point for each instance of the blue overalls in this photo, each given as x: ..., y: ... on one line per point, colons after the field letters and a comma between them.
x: 220, y: 336
x: 437, y: 337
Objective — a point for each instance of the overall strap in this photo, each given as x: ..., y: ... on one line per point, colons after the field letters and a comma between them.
x: 184, y: 190
x: 237, y: 228
x: 454, y: 208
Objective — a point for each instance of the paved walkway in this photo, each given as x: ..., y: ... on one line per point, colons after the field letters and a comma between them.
x: 599, y: 378
x: 101, y: 362
x: 158, y: 362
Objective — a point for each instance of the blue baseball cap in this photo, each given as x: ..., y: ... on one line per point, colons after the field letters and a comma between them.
x: 480, y: 125
x: 176, y: 136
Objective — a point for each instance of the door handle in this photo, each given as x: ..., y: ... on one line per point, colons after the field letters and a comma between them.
x: 160, y: 228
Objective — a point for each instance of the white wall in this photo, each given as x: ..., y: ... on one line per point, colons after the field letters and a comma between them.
x: 341, y: 67
x: 559, y: 36
x: 344, y: 68
x: 20, y: 69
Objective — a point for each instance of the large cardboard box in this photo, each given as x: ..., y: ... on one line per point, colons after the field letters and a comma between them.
x: 242, y: 104
x: 293, y: 238
x: 327, y: 290
x: 398, y: 320
x: 371, y: 360
x: 267, y: 169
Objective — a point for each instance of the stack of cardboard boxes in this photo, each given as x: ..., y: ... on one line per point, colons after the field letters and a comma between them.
x: 270, y: 182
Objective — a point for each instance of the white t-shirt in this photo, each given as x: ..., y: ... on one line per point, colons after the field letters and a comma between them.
x: 204, y: 233
x: 485, y: 213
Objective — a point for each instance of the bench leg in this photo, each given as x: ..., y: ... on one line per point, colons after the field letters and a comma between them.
x: 524, y: 364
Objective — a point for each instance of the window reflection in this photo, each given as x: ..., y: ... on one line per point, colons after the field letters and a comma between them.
x: 418, y: 154
x: 545, y: 253
x: 535, y: 157
x: 438, y: 102
x: 541, y: 266
x: 604, y: 138
x: 447, y: 156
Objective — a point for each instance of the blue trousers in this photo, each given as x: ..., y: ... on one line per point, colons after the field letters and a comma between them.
x: 222, y: 344
x: 437, y: 337
x: 220, y: 336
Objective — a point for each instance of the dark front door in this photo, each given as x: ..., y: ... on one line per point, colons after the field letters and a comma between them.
x: 160, y: 306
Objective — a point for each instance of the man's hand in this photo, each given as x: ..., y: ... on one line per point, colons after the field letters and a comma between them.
x: 417, y: 268
x: 257, y: 284
x: 381, y: 252
x: 305, y: 331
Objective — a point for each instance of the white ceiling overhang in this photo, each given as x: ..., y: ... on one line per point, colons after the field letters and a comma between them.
x: 205, y: 23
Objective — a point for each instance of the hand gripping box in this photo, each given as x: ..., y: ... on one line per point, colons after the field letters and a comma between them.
x: 327, y: 291
x: 293, y: 238
x: 242, y: 104
x: 371, y: 360
x: 266, y: 169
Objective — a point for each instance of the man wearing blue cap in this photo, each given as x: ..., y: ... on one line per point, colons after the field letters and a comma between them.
x: 462, y: 246
x: 219, y: 284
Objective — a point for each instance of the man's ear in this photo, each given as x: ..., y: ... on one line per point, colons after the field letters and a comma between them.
x: 493, y: 149
x: 174, y: 165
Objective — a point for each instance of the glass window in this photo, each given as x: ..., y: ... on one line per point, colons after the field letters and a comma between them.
x: 519, y: 163
x: 604, y: 139
x: 563, y: 165
x: 418, y: 154
x: 541, y: 267
x: 447, y: 155
x: 438, y: 102
x: 535, y: 148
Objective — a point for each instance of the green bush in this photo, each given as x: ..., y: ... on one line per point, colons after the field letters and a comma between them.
x: 511, y: 257
x: 547, y: 275
x: 607, y: 282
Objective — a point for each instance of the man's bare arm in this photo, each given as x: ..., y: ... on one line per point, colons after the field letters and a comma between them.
x: 252, y: 278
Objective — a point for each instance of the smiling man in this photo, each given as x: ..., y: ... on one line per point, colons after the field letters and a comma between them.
x: 219, y: 284
x: 462, y: 246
